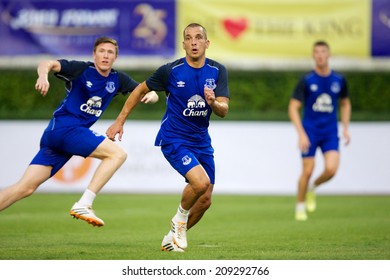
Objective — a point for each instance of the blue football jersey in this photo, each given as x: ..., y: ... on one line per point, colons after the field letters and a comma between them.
x: 320, y: 98
x: 187, y: 116
x: 88, y: 93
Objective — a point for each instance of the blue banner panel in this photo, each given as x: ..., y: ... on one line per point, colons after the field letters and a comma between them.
x: 71, y: 27
x: 380, y: 42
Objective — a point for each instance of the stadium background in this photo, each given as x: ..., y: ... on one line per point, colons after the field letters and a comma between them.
x: 265, y: 44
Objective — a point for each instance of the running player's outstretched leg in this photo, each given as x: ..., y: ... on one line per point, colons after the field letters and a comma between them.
x: 32, y: 178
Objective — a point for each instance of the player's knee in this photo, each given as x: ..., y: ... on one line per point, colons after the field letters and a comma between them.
x: 201, y: 186
x: 121, y: 156
x: 330, y: 171
x: 29, y: 192
x: 26, y: 190
x: 205, y: 186
x: 307, y: 173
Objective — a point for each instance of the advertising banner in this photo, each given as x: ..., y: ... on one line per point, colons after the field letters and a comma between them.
x: 380, y: 28
x: 279, y: 28
x: 240, y: 31
x: 64, y: 27
x: 268, y: 163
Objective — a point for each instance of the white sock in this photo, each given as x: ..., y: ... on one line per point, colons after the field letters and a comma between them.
x: 181, y: 215
x: 87, y: 198
x: 312, y: 187
x: 300, y: 207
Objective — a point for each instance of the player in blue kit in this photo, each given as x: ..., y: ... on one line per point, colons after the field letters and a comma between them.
x: 90, y: 87
x: 195, y: 86
x: 319, y: 91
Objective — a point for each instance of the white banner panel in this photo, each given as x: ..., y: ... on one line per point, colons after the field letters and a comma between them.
x: 251, y: 158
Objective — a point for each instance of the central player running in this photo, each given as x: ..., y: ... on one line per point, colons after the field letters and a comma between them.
x: 195, y: 87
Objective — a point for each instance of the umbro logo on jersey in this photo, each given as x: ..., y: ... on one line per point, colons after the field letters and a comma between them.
x: 313, y: 87
x: 181, y: 84
x: 89, y: 84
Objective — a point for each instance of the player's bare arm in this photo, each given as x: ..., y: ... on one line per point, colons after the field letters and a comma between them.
x: 135, y: 97
x: 219, y: 105
x: 345, y: 115
x: 293, y: 113
x: 42, y: 85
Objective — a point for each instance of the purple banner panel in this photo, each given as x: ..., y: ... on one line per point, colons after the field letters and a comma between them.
x: 380, y: 38
x: 61, y: 27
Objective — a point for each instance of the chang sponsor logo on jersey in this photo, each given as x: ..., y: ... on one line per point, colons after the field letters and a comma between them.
x: 92, y: 106
x: 196, y: 107
x: 323, y: 104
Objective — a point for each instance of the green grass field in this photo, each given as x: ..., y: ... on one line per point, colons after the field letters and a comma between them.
x: 234, y: 228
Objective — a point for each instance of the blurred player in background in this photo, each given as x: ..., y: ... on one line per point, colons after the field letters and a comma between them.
x: 90, y: 87
x: 195, y: 87
x: 319, y: 92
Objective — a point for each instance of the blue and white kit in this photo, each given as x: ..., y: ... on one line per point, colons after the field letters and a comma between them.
x: 183, y: 135
x: 320, y: 97
x: 88, y: 95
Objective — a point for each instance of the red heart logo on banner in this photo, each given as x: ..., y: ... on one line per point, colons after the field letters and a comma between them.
x: 235, y: 27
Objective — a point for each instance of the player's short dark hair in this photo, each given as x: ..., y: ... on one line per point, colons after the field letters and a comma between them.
x: 105, y: 39
x: 194, y: 24
x: 321, y: 43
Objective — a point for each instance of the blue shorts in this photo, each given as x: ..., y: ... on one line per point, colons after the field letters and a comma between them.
x: 59, y: 145
x: 184, y: 158
x: 326, y: 142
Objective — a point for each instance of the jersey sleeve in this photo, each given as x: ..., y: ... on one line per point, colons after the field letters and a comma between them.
x: 222, y: 88
x: 126, y: 83
x: 159, y: 79
x: 344, y: 90
x: 299, y: 91
x: 71, y: 69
